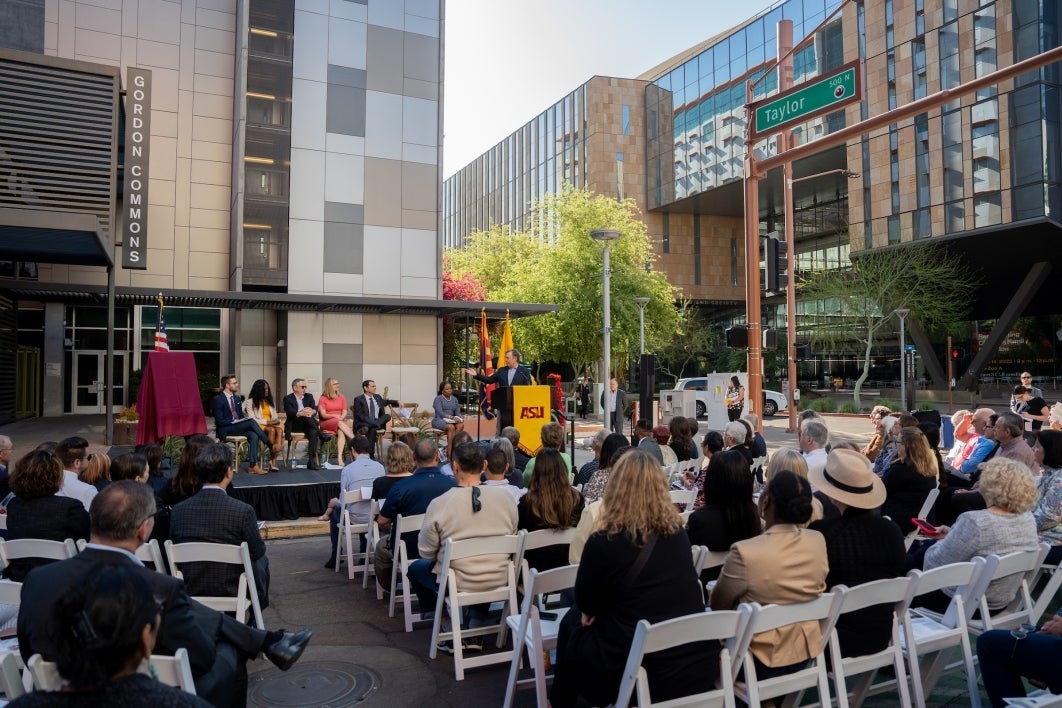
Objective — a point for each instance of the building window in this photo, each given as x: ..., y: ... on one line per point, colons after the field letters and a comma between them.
x: 626, y: 119
x: 733, y: 262
x: 665, y: 245
x: 696, y: 249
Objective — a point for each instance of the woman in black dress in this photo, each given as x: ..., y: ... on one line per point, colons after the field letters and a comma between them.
x: 550, y: 503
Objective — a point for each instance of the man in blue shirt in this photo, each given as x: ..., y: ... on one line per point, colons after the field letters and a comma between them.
x: 409, y: 497
x: 359, y: 474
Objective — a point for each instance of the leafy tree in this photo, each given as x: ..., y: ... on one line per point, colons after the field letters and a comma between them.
x: 457, y: 286
x: 694, y: 341
x: 855, y: 304
x: 557, y: 262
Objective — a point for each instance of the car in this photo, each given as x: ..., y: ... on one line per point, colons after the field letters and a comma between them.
x: 773, y: 401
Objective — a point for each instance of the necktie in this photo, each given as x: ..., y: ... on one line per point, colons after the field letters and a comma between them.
x: 372, y: 408
x: 232, y: 406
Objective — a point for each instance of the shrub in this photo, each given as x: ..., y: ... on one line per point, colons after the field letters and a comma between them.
x: 823, y: 405
x: 927, y: 406
x: 848, y: 407
x: 891, y: 405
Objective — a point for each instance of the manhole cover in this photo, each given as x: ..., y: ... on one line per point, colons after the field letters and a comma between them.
x: 334, y: 684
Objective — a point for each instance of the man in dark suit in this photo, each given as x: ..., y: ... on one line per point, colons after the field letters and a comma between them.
x: 301, y: 412
x: 215, y: 517
x: 617, y: 405
x: 512, y: 374
x: 369, y: 416
x: 218, y: 646
x: 229, y: 421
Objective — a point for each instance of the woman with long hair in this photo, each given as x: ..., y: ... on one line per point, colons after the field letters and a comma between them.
x: 892, y: 425
x: 1048, y: 510
x: 594, y: 489
x: 786, y: 564
x: 154, y: 454
x: 262, y: 409
x: 112, y: 622
x: 735, y: 399
x: 550, y: 503
x: 681, y: 438
x: 910, y: 477
x: 36, y: 511
x: 131, y: 465
x: 447, y: 414
x: 97, y: 470
x: 332, y: 411
x: 729, y: 514
x: 711, y: 445
x: 636, y: 565
x: 185, y: 483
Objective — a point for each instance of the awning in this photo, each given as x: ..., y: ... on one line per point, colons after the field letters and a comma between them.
x: 51, y: 236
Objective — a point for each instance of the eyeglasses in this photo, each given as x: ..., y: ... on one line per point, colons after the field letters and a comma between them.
x: 301, y: 387
x: 477, y: 505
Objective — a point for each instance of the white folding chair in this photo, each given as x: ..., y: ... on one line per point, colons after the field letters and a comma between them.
x: 151, y: 553
x: 174, y: 670
x: 3, y: 521
x: 1047, y: 595
x: 45, y: 674
x: 683, y: 496
x: 535, y: 540
x: 1021, y: 609
x: 347, y: 531
x: 11, y: 675
x: 823, y: 610
x: 450, y: 594
x: 931, y: 635
x: 372, y: 538
x: 879, y: 592
x: 20, y: 548
x: 927, y: 506
x: 402, y: 525
x: 533, y: 632
x: 1036, y: 699
x: 729, y: 626
x: 246, y: 596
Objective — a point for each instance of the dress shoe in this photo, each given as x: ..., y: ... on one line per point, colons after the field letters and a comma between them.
x: 313, y: 466
x: 330, y: 563
x: 286, y: 651
x: 255, y: 469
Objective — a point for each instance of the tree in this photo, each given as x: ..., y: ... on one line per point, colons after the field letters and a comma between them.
x: 695, y: 340
x: 557, y: 262
x: 457, y: 286
x: 855, y: 303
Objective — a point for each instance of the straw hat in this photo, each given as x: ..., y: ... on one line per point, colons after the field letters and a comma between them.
x: 849, y: 478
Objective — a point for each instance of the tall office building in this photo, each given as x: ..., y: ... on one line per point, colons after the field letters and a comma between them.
x: 981, y: 173
x: 272, y: 167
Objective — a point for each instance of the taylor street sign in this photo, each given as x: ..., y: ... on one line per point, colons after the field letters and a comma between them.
x: 806, y: 101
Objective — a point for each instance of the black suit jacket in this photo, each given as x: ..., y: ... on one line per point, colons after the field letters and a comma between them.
x: 300, y: 425
x: 621, y: 401
x: 38, y: 626
x: 215, y: 517
x: 50, y: 518
x: 362, y: 417
x: 501, y: 377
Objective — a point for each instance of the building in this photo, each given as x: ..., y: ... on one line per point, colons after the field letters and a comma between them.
x: 271, y: 167
x: 981, y: 173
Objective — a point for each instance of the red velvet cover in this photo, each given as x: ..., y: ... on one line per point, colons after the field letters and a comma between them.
x: 169, y: 401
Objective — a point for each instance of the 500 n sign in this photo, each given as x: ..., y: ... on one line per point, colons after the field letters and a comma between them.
x: 806, y: 101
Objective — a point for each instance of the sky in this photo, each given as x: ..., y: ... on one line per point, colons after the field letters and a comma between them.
x: 508, y: 60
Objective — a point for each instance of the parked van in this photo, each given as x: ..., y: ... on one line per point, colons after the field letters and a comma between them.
x: 711, y: 396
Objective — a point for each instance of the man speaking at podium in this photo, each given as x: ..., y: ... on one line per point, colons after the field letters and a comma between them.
x: 511, y: 375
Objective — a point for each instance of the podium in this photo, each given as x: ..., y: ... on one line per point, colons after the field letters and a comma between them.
x: 527, y: 408
x: 169, y: 402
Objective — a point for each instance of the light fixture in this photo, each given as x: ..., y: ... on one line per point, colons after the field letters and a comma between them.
x: 266, y: 96
x: 263, y: 32
x: 258, y: 160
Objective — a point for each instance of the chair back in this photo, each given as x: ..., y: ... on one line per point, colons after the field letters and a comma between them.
x: 11, y: 676
x: 542, y: 538
x: 927, y: 506
x: 36, y: 548
x: 1025, y: 564
x: 151, y: 553
x: 682, y: 496
x: 247, y: 592
x: 10, y: 593
x: 174, y: 670
x: 45, y: 674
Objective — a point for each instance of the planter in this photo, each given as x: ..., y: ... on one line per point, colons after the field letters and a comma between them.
x: 125, y: 432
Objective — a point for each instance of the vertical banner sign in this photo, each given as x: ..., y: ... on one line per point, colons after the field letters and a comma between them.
x: 531, y: 410
x: 137, y: 154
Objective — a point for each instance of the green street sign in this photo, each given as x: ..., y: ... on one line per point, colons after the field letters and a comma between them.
x: 807, y: 101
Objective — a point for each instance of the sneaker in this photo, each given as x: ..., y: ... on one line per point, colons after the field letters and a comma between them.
x: 447, y: 647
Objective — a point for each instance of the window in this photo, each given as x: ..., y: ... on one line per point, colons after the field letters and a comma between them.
x: 626, y: 119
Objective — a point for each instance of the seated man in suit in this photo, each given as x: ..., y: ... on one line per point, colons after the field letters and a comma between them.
x: 122, y: 517
x: 301, y: 412
x: 228, y: 420
x: 213, y: 516
x: 369, y: 415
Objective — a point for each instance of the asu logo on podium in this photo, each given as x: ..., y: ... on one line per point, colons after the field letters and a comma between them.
x: 531, y: 411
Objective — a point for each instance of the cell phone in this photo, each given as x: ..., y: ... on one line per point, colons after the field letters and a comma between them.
x: 924, y: 525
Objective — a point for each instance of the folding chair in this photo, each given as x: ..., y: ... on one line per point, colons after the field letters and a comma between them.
x: 453, y: 596
x: 533, y: 632
x: 1021, y: 609
x: 879, y: 592
x: 927, y: 506
x: 246, y: 596
x: 683, y: 496
x: 1036, y: 699
x: 45, y: 674
x: 930, y: 635
x: 151, y: 553
x: 401, y: 566
x: 370, y: 548
x: 238, y: 442
x: 535, y: 540
x: 174, y: 670
x: 347, y: 530
x: 11, y: 675
x: 823, y: 610
x: 729, y: 626
x: 20, y: 548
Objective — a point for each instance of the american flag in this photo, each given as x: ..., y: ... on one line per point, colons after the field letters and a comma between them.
x: 162, y: 344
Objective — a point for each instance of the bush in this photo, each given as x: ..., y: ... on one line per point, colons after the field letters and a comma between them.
x: 848, y: 407
x: 891, y: 405
x: 823, y: 405
x: 926, y: 406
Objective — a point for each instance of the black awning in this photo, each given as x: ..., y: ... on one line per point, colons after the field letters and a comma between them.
x: 51, y: 236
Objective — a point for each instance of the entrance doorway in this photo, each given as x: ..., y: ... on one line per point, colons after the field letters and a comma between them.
x: 87, y: 381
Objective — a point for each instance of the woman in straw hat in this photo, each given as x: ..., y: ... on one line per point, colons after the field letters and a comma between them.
x: 861, y: 546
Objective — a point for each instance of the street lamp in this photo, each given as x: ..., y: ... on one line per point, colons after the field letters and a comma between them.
x: 606, y: 237
x: 641, y: 302
x: 902, y: 312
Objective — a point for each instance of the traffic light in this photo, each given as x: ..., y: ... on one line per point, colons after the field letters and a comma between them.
x: 770, y: 338
x: 737, y: 337
x: 777, y: 264
x: 957, y: 353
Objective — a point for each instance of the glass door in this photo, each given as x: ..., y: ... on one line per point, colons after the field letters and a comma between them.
x: 87, y: 379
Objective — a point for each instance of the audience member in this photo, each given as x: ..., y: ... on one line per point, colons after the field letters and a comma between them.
x: 6, y: 448
x: 1048, y: 510
x: 97, y: 470
x: 814, y: 437
x: 213, y: 516
x: 588, y: 520
x: 553, y: 437
x: 877, y: 414
x: 1026, y: 381
x: 71, y: 453
x: 595, y: 487
x: 785, y: 564
x: 185, y: 483
x: 789, y: 459
x: 884, y: 459
x: 550, y: 503
x: 681, y: 438
x: 154, y: 454
x: 514, y: 476
x: 39, y: 511
x: 359, y: 474
x: 710, y: 445
x: 587, y: 470
x: 729, y: 514
x: 643, y: 438
x: 861, y: 546
x: 909, y: 479
x: 736, y: 436
x: 758, y: 444
x: 963, y: 432
x: 513, y: 436
x: 131, y: 465
x: 496, y: 467
x: 932, y: 433
x: 1005, y: 656
x: 399, y: 465
x: 662, y: 436
x: 459, y: 439
x: 636, y: 566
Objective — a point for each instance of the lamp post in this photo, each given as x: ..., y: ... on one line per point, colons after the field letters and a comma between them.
x: 641, y: 302
x: 902, y: 312
x: 606, y: 237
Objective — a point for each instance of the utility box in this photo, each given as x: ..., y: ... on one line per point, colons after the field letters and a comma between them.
x: 677, y: 403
